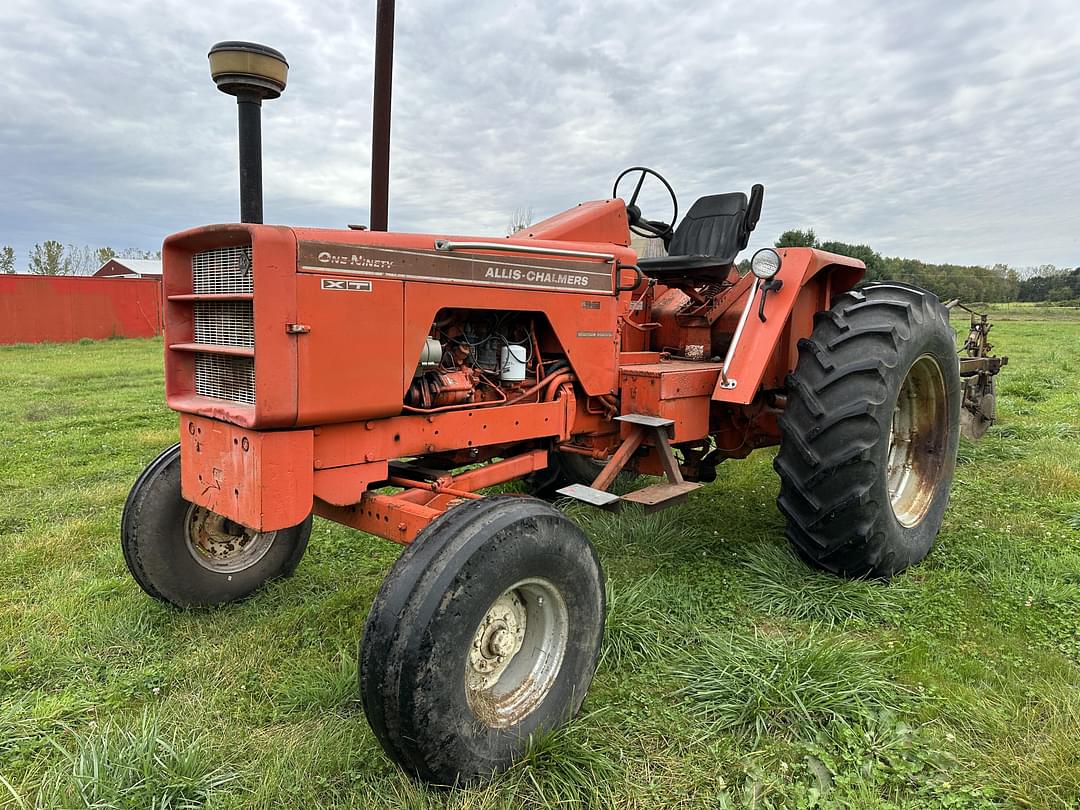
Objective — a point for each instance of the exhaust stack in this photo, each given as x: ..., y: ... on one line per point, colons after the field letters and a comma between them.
x: 380, y: 115
x: 252, y: 73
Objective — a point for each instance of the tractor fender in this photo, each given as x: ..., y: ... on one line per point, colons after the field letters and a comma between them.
x: 766, y: 351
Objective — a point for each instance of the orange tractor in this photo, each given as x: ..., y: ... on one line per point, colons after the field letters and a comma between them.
x: 383, y: 380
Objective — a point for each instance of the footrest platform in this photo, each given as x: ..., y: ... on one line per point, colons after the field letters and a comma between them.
x: 661, y: 496
x: 593, y: 497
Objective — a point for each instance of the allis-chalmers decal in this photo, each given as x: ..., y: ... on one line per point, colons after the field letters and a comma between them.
x: 422, y: 265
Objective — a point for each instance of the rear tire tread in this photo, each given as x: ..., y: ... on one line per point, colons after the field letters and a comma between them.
x: 831, y: 457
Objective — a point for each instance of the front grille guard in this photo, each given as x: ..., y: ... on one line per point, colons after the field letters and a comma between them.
x: 226, y: 321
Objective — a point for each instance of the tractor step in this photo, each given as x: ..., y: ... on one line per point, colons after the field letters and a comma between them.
x: 645, y: 421
x: 593, y: 497
x: 653, y: 498
x: 661, y: 496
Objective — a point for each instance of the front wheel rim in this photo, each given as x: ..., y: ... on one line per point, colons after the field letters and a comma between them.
x: 917, y: 441
x: 222, y: 546
x: 516, y: 652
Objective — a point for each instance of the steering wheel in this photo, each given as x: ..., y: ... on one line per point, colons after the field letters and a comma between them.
x: 650, y: 228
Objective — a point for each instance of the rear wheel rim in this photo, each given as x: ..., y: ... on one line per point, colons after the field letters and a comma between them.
x: 917, y: 441
x: 516, y: 652
x: 220, y: 545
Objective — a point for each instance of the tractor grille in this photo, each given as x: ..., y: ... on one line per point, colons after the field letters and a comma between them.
x: 225, y: 377
x: 225, y: 323
x: 224, y: 271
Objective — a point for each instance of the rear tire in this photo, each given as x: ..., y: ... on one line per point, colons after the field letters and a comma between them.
x: 486, y: 630
x: 870, y: 432
x: 189, y: 556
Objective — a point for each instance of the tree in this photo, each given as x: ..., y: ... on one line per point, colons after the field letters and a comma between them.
x: 875, y: 265
x: 1052, y: 284
x: 7, y: 259
x: 520, y: 220
x: 790, y: 239
x: 139, y: 253
x: 82, y: 260
x: 104, y: 254
x: 969, y: 283
x: 1056, y: 285
x: 49, y: 259
x: 1059, y: 292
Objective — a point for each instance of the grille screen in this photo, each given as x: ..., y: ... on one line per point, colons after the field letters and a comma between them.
x: 222, y: 270
x: 225, y: 323
x: 225, y: 377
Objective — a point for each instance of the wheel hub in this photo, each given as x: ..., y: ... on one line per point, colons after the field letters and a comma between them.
x: 516, y: 652
x: 218, y: 544
x: 497, y: 639
x: 917, y: 441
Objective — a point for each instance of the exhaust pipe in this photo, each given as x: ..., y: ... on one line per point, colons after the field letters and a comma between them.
x: 380, y: 115
x: 252, y: 73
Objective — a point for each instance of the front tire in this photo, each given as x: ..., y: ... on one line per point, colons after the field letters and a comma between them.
x: 189, y: 556
x: 486, y: 630
x: 870, y: 432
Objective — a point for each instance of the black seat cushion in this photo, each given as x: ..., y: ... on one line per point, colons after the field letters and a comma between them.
x: 668, y: 264
x: 711, y: 235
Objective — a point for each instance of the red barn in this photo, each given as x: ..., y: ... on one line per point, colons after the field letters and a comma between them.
x: 131, y: 268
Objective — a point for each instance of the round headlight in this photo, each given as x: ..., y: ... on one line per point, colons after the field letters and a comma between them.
x: 765, y: 263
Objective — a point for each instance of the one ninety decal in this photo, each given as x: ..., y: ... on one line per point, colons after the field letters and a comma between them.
x: 467, y: 268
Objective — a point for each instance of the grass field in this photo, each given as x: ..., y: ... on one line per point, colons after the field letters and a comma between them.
x: 732, y: 675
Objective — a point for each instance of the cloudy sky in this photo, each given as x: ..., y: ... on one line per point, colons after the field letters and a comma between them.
x: 948, y: 131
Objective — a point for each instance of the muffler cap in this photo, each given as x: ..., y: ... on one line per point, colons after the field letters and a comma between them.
x: 248, y: 68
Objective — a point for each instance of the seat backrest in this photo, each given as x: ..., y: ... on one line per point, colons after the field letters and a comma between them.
x: 717, y: 226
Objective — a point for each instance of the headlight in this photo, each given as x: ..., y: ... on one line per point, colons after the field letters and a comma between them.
x: 765, y: 263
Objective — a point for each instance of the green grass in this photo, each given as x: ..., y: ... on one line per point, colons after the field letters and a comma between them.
x: 732, y: 676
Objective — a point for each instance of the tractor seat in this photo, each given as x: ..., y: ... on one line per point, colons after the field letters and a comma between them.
x: 711, y: 235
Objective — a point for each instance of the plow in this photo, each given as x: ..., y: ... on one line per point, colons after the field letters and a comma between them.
x: 384, y: 380
x: 978, y: 370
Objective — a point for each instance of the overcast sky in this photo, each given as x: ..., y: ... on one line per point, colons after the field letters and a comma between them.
x: 948, y: 131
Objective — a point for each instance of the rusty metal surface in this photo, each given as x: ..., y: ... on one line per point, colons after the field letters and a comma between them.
x: 516, y: 652
x: 661, y: 496
x: 979, y: 411
x: 917, y: 439
x: 978, y: 370
x: 222, y: 546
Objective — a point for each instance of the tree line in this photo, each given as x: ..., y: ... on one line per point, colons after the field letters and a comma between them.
x: 52, y: 258
x: 994, y: 283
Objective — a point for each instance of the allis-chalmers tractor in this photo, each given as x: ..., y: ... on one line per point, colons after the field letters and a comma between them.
x: 383, y: 380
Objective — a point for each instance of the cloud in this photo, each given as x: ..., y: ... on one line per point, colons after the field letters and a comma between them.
x: 941, y: 131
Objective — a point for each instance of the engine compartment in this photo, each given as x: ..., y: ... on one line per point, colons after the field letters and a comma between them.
x: 478, y: 357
